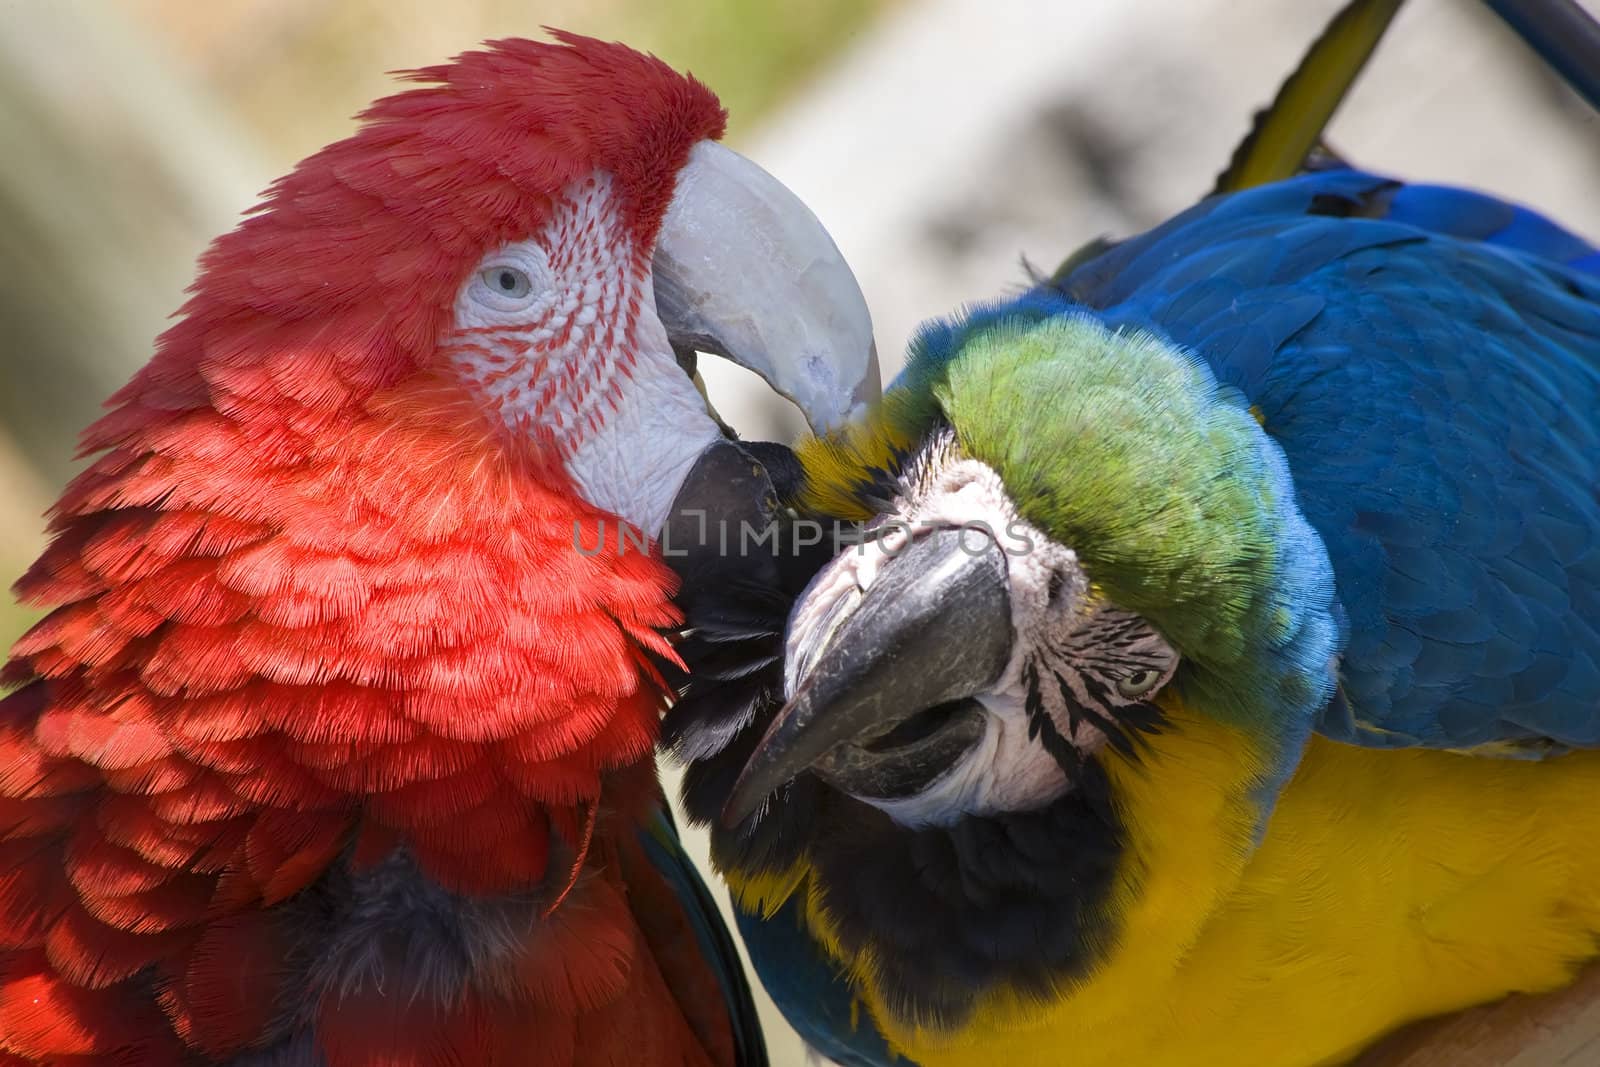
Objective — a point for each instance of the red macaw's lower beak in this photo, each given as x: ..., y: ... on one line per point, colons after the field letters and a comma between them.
x: 744, y: 270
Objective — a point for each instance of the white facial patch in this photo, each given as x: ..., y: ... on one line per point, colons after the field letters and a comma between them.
x: 1006, y: 771
x: 1075, y: 660
x: 559, y: 333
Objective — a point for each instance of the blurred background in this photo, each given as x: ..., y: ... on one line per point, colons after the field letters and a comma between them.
x: 941, y: 141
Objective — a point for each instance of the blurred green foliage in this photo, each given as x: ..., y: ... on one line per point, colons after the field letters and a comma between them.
x: 752, y: 54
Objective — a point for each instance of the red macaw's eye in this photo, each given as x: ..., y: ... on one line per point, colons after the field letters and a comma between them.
x: 508, y: 281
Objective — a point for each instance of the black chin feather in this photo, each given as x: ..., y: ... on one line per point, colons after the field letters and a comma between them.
x: 1013, y: 901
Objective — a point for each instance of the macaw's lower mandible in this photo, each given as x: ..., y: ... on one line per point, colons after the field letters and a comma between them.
x: 1220, y: 680
x: 332, y: 748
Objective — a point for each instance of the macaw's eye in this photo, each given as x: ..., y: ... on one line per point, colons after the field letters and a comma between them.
x: 1138, y: 684
x: 510, y: 286
x: 508, y: 282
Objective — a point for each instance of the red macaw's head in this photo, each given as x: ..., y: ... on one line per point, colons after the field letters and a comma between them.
x: 544, y: 226
x: 327, y: 558
x: 316, y: 610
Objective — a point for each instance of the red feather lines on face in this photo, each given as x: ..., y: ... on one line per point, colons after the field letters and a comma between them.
x: 556, y: 377
x: 360, y: 251
x: 305, y: 604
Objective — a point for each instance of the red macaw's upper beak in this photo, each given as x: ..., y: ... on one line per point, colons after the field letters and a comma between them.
x: 743, y: 269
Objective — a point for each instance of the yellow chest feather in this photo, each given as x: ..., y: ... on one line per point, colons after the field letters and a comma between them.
x: 1390, y: 885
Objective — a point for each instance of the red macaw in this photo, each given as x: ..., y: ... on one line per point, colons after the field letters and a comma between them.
x: 335, y: 746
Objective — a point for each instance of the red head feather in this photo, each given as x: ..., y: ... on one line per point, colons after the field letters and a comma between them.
x: 306, y: 607
x: 361, y: 248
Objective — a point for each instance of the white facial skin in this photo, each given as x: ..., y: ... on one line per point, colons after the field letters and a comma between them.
x: 560, y: 334
x: 1103, y: 657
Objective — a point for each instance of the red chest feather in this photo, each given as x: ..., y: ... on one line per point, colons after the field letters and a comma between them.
x: 298, y: 636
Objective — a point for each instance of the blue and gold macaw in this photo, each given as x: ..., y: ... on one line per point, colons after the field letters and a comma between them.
x: 1217, y: 680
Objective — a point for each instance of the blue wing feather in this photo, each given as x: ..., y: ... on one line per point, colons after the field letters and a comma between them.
x: 1429, y: 361
x: 664, y: 849
x: 809, y: 989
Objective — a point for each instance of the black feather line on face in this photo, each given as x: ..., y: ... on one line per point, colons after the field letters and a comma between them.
x: 1042, y: 728
x: 1121, y: 727
x: 1100, y: 693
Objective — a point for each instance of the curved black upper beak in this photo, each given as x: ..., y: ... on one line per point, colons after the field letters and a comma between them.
x: 934, y: 627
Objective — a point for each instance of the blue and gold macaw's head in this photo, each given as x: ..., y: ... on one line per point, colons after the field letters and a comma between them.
x: 1051, y: 695
x: 1084, y: 536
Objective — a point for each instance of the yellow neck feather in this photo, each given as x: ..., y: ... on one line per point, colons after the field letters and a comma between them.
x: 1390, y: 885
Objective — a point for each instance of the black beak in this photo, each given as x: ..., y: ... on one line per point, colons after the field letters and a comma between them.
x: 883, y: 706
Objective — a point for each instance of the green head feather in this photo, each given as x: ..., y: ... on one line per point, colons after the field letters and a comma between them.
x: 1123, y: 447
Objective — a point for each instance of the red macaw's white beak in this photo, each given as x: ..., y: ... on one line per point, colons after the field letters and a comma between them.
x: 744, y: 270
